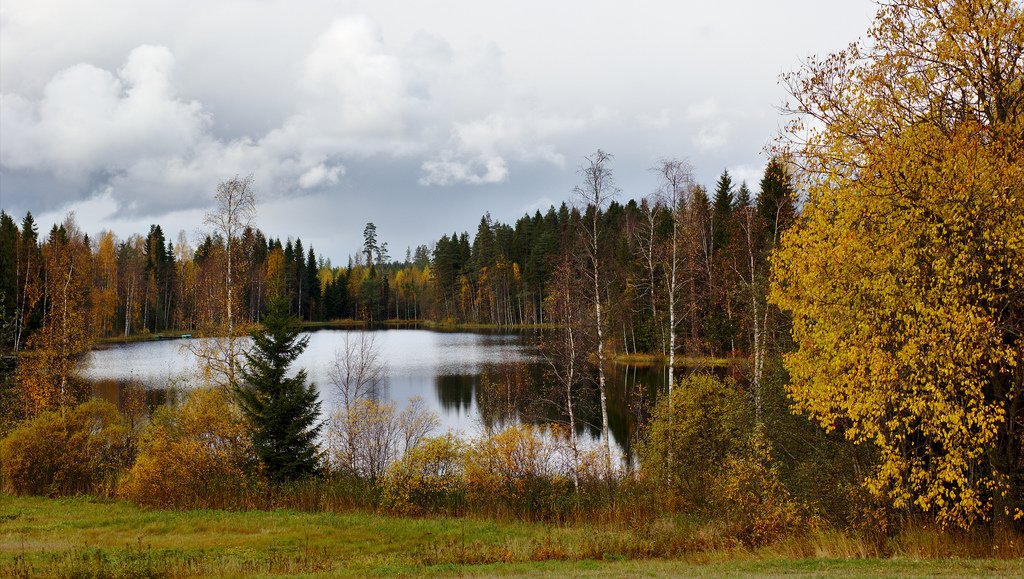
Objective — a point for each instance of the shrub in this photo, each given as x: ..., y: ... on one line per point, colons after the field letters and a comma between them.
x: 515, y: 468
x: 365, y: 436
x: 427, y: 479
x: 756, y: 506
x: 78, y: 450
x: 196, y: 455
x: 689, y: 437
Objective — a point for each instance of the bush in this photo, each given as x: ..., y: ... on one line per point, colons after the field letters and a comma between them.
x: 515, y: 468
x: 194, y: 456
x: 78, y: 450
x: 689, y: 438
x: 365, y: 436
x: 756, y: 506
x: 428, y: 479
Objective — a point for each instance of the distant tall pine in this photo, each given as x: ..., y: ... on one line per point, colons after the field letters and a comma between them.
x: 282, y: 412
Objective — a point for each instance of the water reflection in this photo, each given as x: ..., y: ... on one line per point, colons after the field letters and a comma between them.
x: 471, y: 380
x: 455, y: 392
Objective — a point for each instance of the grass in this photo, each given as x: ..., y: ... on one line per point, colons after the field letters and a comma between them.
x: 143, y: 337
x: 88, y: 537
x: 478, y: 327
x: 648, y: 360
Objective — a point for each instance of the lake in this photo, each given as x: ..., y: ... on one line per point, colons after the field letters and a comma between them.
x: 471, y: 380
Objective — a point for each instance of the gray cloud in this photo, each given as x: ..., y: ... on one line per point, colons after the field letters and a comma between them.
x: 414, y: 117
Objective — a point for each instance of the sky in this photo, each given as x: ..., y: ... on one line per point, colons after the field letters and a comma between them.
x: 419, y: 116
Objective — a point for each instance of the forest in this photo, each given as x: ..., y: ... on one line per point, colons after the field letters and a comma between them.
x: 866, y: 298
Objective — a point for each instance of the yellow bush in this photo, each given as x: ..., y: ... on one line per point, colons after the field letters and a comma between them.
x: 757, y: 507
x: 514, y: 467
x: 196, y: 455
x: 77, y: 450
x: 427, y: 479
x: 690, y: 436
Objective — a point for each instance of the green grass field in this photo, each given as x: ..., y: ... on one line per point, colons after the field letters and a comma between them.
x: 85, y: 537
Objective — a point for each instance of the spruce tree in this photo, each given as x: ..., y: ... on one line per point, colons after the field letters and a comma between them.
x: 282, y: 411
x: 721, y: 210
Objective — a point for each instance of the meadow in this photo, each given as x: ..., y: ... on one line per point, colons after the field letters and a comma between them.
x: 92, y: 537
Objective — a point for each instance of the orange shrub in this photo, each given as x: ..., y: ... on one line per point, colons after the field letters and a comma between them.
x: 196, y: 455
x: 77, y: 450
x: 756, y: 506
x: 514, y: 467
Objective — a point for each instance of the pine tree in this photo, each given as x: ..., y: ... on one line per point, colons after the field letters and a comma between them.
x: 282, y: 411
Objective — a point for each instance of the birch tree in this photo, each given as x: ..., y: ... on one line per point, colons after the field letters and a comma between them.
x: 596, y: 191
x: 676, y: 183
x: 234, y: 211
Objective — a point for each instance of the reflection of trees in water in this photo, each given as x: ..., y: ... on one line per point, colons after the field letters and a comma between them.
x: 455, y: 391
x: 525, y: 392
x: 509, y: 392
x: 133, y: 397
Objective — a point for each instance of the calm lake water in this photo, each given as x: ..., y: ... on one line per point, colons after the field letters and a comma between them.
x: 471, y: 380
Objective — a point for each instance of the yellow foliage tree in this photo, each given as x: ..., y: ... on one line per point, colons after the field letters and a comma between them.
x: 104, y: 289
x: 428, y: 478
x: 46, y: 368
x: 905, y: 272
x: 514, y: 467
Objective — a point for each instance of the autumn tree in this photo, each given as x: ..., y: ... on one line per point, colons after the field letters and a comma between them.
x: 47, y: 367
x: 234, y: 211
x: 28, y: 266
x: 104, y: 288
x: 564, y: 348
x: 905, y: 271
x: 8, y: 266
x: 674, y: 192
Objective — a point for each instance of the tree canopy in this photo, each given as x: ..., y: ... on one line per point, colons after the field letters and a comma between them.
x: 904, y: 274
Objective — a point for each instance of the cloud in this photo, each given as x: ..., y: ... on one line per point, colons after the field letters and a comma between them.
x: 748, y: 174
x: 471, y: 172
x: 131, y: 135
x: 712, y: 136
x: 90, y: 119
x: 351, y: 89
x: 320, y: 175
x: 479, y: 150
x: 703, y: 110
x: 350, y: 103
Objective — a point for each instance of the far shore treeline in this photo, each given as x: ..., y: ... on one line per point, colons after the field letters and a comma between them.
x: 500, y: 274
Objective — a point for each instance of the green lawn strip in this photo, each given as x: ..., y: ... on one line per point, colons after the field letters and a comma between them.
x: 96, y: 537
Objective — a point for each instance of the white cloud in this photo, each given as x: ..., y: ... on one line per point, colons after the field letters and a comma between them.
x: 320, y: 175
x: 148, y: 105
x: 703, y: 110
x: 712, y: 136
x: 663, y: 119
x: 90, y: 119
x: 350, y: 84
x: 542, y: 204
x: 472, y: 172
x: 748, y: 174
x: 479, y: 149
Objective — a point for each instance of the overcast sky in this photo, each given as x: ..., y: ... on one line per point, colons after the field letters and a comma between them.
x: 416, y: 115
